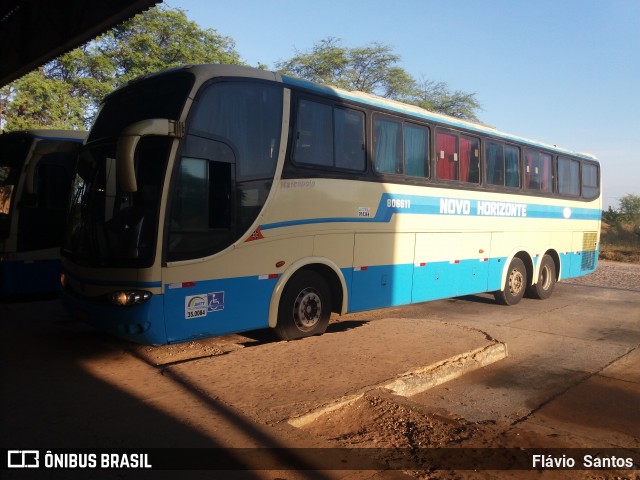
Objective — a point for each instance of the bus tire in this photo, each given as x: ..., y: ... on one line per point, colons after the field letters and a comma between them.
x: 514, y: 285
x: 543, y: 288
x: 305, y: 307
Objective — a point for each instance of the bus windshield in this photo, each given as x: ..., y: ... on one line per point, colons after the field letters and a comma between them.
x: 107, y: 226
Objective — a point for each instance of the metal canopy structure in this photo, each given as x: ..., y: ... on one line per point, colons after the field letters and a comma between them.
x: 32, y: 32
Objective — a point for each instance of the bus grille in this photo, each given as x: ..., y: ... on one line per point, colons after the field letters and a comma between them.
x: 589, y: 250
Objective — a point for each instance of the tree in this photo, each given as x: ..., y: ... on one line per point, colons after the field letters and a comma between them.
x: 437, y: 97
x: 630, y: 206
x: 611, y: 216
x: 370, y: 69
x: 35, y: 101
x: 374, y: 69
x: 162, y: 38
x: 630, y: 209
x: 66, y: 92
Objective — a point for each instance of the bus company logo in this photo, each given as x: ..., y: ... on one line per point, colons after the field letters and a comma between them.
x: 196, y: 306
x: 23, y: 459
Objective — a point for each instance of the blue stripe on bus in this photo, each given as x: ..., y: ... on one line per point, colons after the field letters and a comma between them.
x: 166, y: 318
x: 395, y: 285
x: 223, y: 307
x: 390, y: 204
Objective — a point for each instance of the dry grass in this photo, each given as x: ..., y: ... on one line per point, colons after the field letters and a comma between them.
x: 620, y: 243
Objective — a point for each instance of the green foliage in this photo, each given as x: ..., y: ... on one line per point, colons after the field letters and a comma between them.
x: 627, y: 213
x: 630, y: 206
x: 621, y: 230
x: 437, y: 97
x: 374, y: 69
x: 611, y: 216
x: 158, y: 39
x: 35, y: 101
x: 66, y: 92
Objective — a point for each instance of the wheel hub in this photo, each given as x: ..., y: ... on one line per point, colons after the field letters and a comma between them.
x: 516, y: 281
x: 545, y: 277
x: 307, y: 309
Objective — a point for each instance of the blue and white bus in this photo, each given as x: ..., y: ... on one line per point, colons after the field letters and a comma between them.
x: 36, y: 170
x: 214, y: 199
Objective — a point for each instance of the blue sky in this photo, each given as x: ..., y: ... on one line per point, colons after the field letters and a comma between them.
x: 565, y: 72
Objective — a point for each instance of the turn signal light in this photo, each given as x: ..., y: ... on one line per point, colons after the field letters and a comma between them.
x: 125, y: 298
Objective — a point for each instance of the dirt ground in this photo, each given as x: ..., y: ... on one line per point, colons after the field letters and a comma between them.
x: 387, y: 422
x: 190, y: 394
x: 396, y: 427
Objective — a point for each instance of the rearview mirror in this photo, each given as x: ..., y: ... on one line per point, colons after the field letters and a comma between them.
x: 128, y: 142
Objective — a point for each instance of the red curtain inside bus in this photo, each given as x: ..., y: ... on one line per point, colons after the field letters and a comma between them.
x: 537, y: 174
x: 546, y: 181
x: 469, y: 159
x: 446, y: 150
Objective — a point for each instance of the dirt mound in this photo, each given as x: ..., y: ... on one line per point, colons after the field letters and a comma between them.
x: 377, y: 421
x: 404, y: 436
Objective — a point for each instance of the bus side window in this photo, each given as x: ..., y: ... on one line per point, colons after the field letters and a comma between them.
x: 201, y: 209
x: 531, y: 170
x: 447, y: 152
x: 416, y: 151
x: 494, y: 164
x: 546, y: 173
x: 314, y: 136
x: 469, y: 159
x: 538, y: 174
x: 387, y: 145
x: 502, y: 165
x: 349, y: 139
x: 512, y: 166
x: 568, y: 176
x: 458, y: 157
x: 590, y: 181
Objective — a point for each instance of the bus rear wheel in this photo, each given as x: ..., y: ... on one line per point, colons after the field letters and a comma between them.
x: 543, y: 288
x: 305, y: 307
x: 514, y: 285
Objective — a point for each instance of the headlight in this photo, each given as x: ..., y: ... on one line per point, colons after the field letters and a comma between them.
x: 125, y: 298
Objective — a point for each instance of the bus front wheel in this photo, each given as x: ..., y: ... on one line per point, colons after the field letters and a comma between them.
x: 543, y: 288
x: 514, y: 285
x: 305, y: 307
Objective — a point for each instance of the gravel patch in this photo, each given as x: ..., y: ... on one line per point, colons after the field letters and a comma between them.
x: 622, y: 276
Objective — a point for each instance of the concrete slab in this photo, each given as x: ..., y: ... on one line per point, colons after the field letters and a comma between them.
x: 627, y: 368
x: 281, y: 380
x: 597, y: 408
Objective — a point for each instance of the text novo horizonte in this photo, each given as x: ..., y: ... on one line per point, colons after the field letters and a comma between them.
x: 459, y: 206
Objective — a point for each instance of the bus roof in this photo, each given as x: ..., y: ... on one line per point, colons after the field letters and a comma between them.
x: 414, y: 110
x: 207, y: 71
